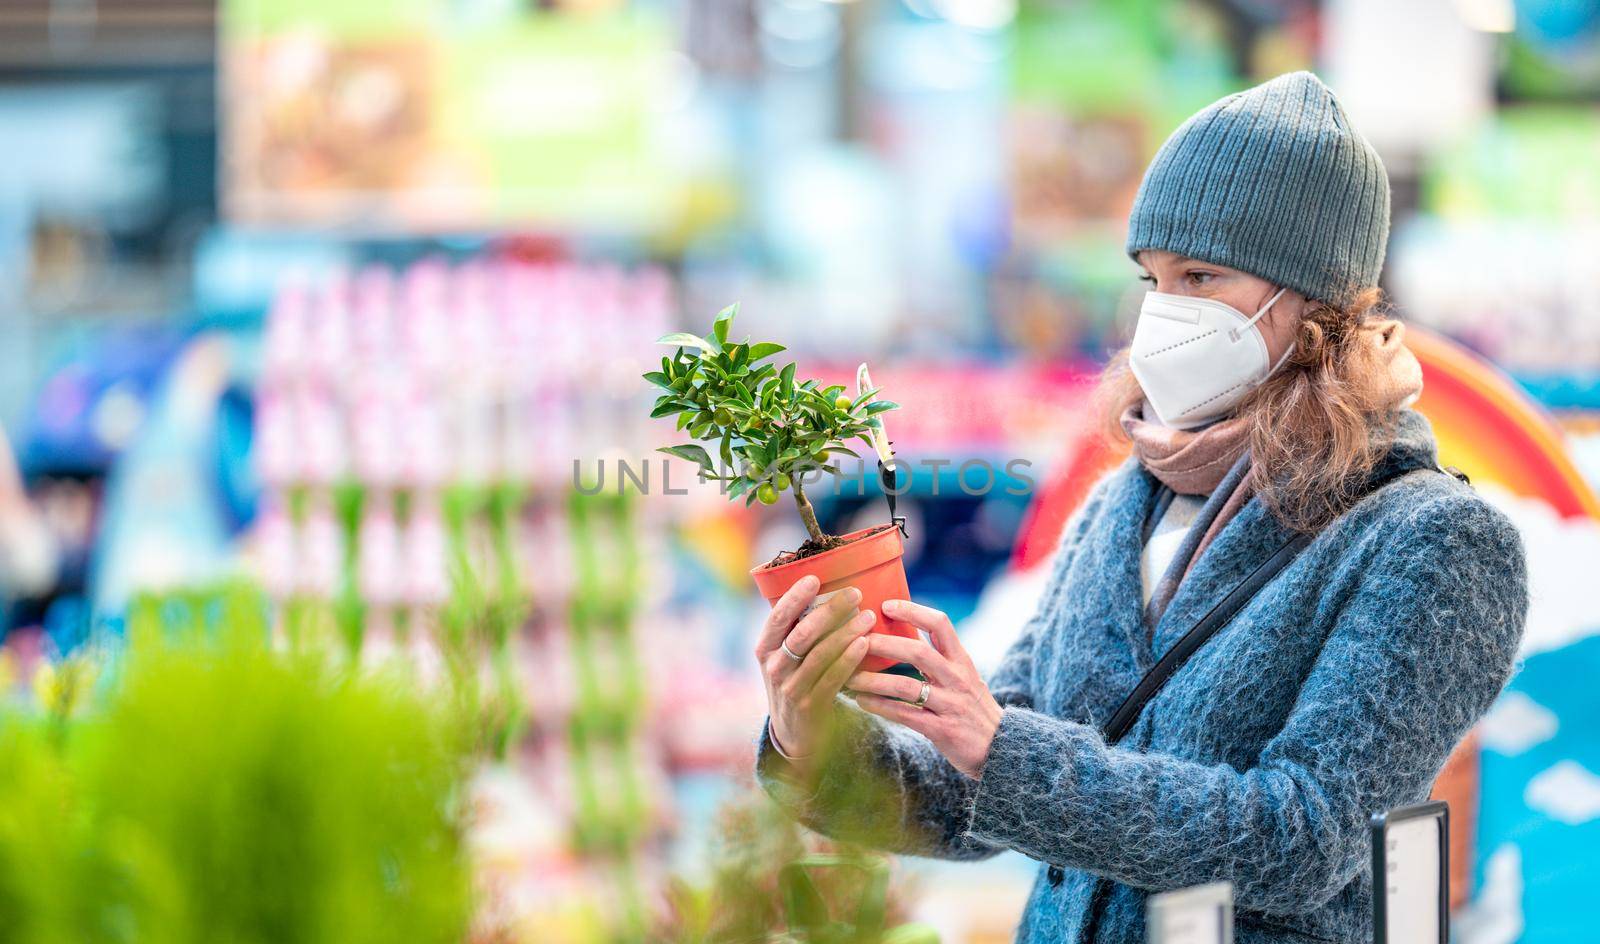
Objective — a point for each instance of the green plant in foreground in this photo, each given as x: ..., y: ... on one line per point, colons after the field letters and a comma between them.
x: 771, y: 882
x: 222, y: 791
x: 769, y: 430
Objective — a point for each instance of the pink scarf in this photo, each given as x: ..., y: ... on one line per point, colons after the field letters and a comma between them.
x: 1193, y: 462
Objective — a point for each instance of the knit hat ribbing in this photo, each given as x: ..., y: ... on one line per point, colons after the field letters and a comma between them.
x: 1275, y: 182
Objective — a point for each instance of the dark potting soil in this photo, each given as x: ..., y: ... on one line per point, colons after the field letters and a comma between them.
x: 828, y: 543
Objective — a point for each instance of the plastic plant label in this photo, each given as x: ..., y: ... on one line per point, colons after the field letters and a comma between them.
x: 817, y: 601
x: 1409, y: 869
x: 822, y: 598
x: 1199, y: 915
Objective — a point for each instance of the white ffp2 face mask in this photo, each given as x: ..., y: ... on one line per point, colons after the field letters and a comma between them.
x: 1196, y: 358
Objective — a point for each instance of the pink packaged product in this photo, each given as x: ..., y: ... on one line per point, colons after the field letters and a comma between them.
x: 381, y: 576
x: 372, y: 315
x: 543, y: 667
x: 323, y: 447
x: 287, y: 335
x: 329, y: 353
x: 276, y: 452
x: 321, y: 552
x: 274, y: 547
x: 424, y: 562
x: 424, y: 449
x: 375, y: 424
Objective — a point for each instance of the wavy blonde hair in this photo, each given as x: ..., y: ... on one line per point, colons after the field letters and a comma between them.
x: 1314, y: 436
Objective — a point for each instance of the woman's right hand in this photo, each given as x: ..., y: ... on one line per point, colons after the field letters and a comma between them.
x: 829, y: 641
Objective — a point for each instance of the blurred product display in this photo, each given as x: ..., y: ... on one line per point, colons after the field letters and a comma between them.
x: 418, y: 497
x: 333, y: 528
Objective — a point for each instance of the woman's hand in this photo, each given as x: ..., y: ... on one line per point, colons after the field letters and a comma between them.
x: 960, y: 716
x: 828, y: 642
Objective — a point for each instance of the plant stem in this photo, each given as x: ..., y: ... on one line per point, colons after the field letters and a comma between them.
x: 808, y: 515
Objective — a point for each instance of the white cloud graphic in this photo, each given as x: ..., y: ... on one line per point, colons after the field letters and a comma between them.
x: 1516, y: 723
x: 1567, y: 792
x: 1495, y: 915
x: 1562, y: 553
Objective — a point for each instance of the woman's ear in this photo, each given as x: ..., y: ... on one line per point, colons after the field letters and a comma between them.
x: 1281, y: 324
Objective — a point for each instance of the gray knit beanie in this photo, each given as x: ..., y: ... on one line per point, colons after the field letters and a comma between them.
x: 1275, y: 182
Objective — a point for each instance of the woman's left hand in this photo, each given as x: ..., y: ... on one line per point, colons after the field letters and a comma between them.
x: 960, y: 716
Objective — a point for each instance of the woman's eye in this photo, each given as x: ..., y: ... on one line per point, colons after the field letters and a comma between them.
x: 1199, y: 278
x: 1147, y: 277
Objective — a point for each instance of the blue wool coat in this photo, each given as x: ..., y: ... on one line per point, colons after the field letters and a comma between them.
x: 1337, y: 692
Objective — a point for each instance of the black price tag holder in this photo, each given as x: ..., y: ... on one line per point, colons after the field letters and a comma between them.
x: 1199, y: 915
x: 1411, y: 875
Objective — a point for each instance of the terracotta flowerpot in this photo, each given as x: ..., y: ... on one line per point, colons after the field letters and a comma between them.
x: 870, y: 562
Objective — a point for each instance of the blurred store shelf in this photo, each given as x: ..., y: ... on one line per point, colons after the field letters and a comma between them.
x: 106, y: 33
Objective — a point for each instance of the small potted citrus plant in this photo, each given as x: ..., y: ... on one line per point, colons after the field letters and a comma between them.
x: 772, y: 434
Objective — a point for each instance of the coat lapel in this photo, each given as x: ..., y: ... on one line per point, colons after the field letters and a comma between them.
x: 1250, y: 538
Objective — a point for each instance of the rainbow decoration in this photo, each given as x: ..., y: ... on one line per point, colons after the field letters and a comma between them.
x: 1486, y: 427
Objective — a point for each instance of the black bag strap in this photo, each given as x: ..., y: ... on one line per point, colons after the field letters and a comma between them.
x: 1218, y: 616
x: 1121, y: 721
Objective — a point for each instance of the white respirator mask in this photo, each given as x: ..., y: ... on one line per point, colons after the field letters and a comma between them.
x: 1196, y: 358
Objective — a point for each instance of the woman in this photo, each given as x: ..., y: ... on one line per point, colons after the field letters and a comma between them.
x: 1264, y: 396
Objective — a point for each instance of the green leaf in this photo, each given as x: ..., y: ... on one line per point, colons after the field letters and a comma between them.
x: 685, y: 339
x: 822, y: 403
x: 881, y: 406
x: 666, y: 409
x: 719, y: 328
x: 863, y: 398
x: 786, y: 382
x: 660, y: 379
x: 764, y: 349
x: 727, y: 450
x: 738, y: 487
x: 691, y: 452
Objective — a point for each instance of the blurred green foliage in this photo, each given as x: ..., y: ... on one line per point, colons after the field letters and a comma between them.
x: 771, y: 881
x: 217, y: 790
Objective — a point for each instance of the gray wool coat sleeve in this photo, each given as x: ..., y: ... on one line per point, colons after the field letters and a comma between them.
x: 1382, y: 707
x: 930, y: 799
